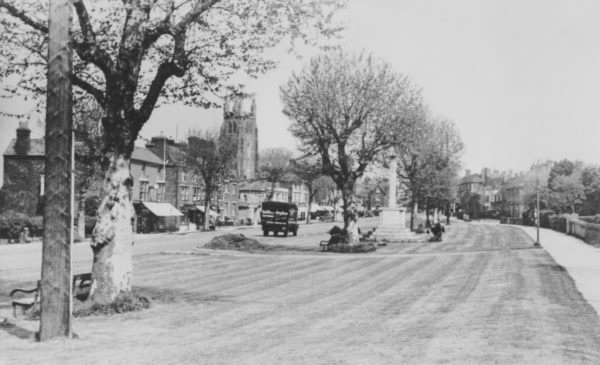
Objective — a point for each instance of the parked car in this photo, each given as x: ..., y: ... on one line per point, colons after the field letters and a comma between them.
x: 326, y: 217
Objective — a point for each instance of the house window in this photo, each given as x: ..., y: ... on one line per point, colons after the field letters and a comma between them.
x: 184, y: 193
x: 160, y: 195
x: 195, y: 177
x: 377, y: 197
x: 42, y: 184
x: 196, y: 197
x: 233, y: 188
x: 182, y: 175
x: 144, y: 169
x: 143, y: 190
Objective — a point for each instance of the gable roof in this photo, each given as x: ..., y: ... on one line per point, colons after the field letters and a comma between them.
x: 144, y: 155
x: 37, y: 148
x: 494, y: 181
x: 474, y: 178
x: 256, y: 185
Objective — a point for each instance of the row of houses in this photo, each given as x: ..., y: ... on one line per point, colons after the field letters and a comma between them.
x: 505, y: 191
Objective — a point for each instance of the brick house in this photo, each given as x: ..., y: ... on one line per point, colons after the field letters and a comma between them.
x: 183, y: 186
x: 154, y: 209
x: 24, y: 173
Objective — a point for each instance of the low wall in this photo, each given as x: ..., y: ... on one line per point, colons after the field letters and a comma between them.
x: 518, y: 221
x: 588, y: 232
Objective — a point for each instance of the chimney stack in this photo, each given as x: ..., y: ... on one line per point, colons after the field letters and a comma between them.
x: 23, y: 143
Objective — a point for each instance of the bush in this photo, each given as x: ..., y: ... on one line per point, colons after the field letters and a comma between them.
x: 13, y: 223
x: 345, y: 248
x: 595, y: 219
x: 546, y: 217
x: 124, y: 303
x: 90, y: 223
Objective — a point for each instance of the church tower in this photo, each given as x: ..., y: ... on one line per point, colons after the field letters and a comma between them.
x: 239, y: 118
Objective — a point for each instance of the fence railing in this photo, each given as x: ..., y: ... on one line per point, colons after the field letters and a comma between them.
x: 589, y: 232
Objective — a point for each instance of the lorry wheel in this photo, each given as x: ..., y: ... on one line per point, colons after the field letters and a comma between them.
x: 275, y: 233
x: 295, y: 232
x: 285, y: 234
x: 265, y: 233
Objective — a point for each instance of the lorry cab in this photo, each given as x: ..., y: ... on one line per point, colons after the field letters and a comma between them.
x: 279, y: 217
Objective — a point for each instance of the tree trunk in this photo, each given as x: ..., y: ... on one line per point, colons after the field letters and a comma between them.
x: 206, y: 214
x: 413, y: 215
x: 80, y: 234
x: 427, y: 222
x: 310, y: 199
x: 112, y: 239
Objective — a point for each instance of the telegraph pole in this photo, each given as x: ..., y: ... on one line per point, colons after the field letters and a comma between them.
x: 537, y: 188
x: 55, y: 316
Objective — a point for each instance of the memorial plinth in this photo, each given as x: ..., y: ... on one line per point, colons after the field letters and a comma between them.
x: 392, y: 219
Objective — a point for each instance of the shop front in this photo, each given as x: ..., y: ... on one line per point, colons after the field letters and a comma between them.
x: 156, y: 217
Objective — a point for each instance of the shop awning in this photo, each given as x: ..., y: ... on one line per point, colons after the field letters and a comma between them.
x: 163, y: 209
x: 210, y: 212
x: 316, y: 207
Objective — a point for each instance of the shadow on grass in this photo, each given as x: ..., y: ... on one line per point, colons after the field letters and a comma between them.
x: 14, y: 330
x: 167, y: 295
x: 552, y: 267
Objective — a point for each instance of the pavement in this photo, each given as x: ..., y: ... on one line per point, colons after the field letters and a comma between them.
x: 582, y: 261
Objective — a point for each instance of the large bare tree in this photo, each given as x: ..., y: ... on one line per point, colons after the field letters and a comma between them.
x: 343, y: 107
x: 274, y: 165
x: 130, y: 56
x: 428, y: 160
x: 213, y: 155
x: 308, y: 170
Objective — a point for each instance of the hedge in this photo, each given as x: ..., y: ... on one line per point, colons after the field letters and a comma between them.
x: 13, y: 223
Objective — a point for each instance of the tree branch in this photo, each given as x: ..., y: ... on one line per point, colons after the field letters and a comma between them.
x: 90, y: 89
x: 164, y: 72
x: 89, y: 50
x: 24, y: 18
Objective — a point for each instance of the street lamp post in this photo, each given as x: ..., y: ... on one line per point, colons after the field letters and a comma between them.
x: 537, y: 188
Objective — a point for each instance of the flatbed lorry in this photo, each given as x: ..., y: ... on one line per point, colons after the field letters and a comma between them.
x: 279, y: 217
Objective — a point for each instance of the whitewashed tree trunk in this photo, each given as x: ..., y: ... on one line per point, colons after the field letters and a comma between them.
x: 112, y: 239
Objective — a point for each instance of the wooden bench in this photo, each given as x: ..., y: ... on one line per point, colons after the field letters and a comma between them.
x: 333, y: 241
x: 25, y: 303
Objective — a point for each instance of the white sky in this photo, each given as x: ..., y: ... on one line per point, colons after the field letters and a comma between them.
x: 519, y: 78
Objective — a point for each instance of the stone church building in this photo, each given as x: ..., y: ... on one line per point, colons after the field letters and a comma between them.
x: 239, y: 118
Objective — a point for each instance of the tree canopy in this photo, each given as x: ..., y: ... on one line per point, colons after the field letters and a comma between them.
x: 343, y: 107
x: 131, y: 55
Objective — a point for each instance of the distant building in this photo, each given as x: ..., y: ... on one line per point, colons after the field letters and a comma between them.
x: 253, y: 193
x: 239, y: 118
x: 24, y: 172
x: 154, y: 209
x: 501, y: 190
x: 184, y: 188
x: 516, y: 191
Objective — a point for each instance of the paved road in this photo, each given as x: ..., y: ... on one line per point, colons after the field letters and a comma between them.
x: 483, y: 296
x: 27, y: 258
